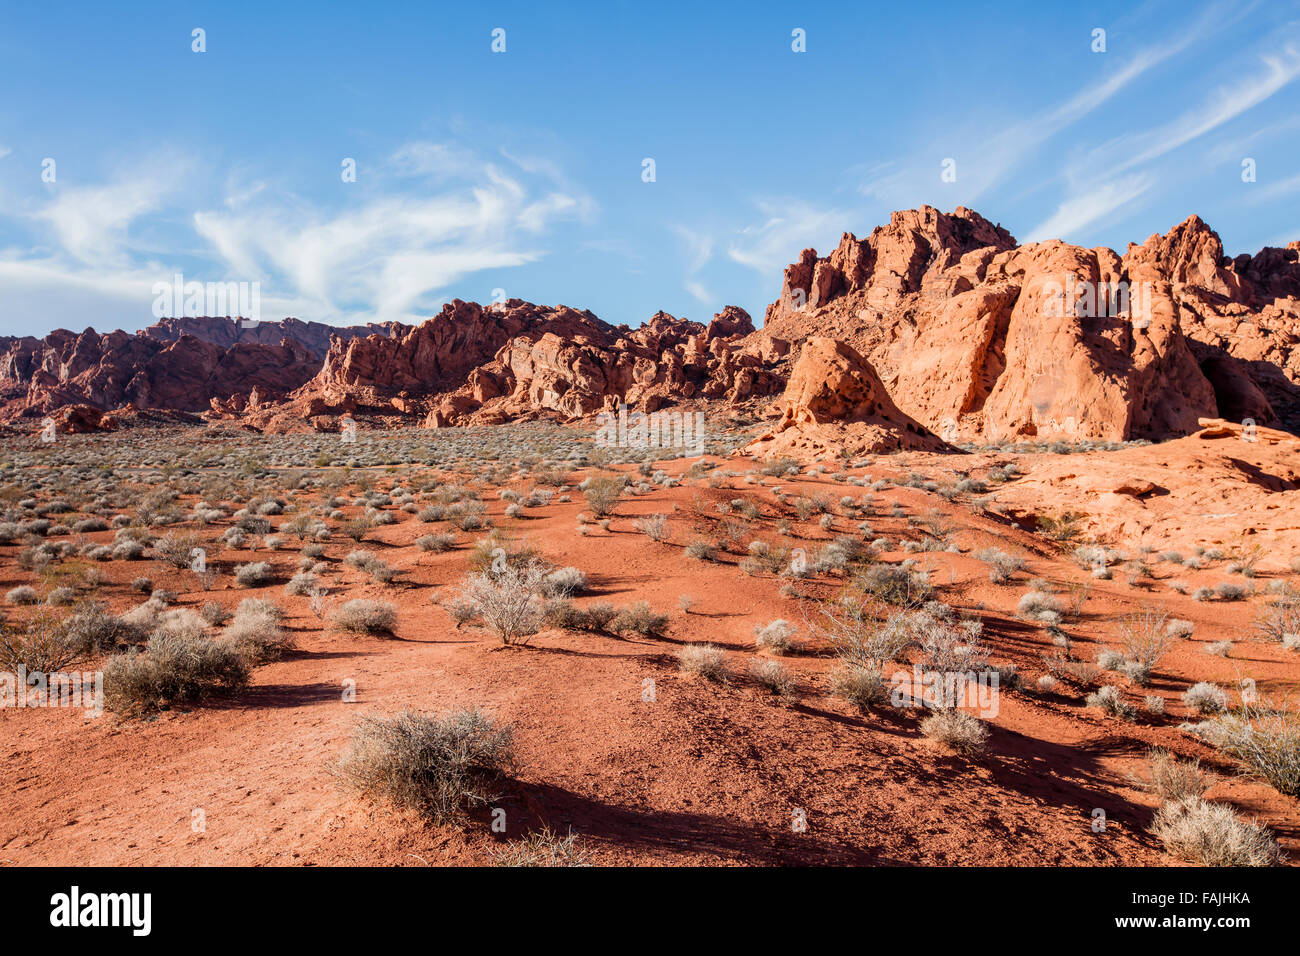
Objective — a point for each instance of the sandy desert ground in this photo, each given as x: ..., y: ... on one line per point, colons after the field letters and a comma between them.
x: 626, y: 749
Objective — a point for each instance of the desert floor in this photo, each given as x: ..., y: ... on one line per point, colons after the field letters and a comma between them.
x: 645, y: 763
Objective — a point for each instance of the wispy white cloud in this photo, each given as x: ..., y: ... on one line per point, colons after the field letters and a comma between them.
x: 1224, y: 103
x: 1089, y: 206
x: 1275, y: 190
x: 789, y: 227
x: 698, y: 248
x: 1004, y: 148
x: 91, y: 222
x: 1106, y: 178
x: 381, y: 258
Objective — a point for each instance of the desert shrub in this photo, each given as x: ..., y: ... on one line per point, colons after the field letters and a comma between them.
x: 177, y: 667
x: 435, y: 543
x: 363, y: 616
x: 302, y: 584
x: 777, y: 637
x: 1228, y: 591
x: 654, y: 527
x: 214, y: 613
x: 956, y: 729
x: 358, y: 528
x: 127, y: 551
x: 779, y: 467
x: 861, y: 684
x: 93, y: 629
x: 896, y: 585
x: 253, y: 575
x: 180, y: 623
x: 1205, y: 698
x: 563, y: 613
x: 599, y: 616
x: 177, y: 549
x: 1211, y: 834
x: 1265, y: 741
x: 61, y: 597
x: 492, y: 552
x: 42, y: 643
x: 1002, y: 566
x: 462, y: 610
x: 602, y: 493
x: 705, y: 660
x: 255, y: 631
x: 1037, y: 605
x: 851, y: 627
x: 508, y: 602
x: 1138, y: 672
x: 1063, y: 527
x: 23, y: 594
x: 1110, y: 700
x: 773, y: 677
x: 1279, y: 619
x: 1173, y: 779
x: 541, y: 848
x: 1146, y: 636
x: 700, y: 550
x: 1153, y: 704
x: 1219, y: 648
x: 433, y: 766
x: 563, y: 582
x: 640, y: 618
x: 1109, y: 659
x: 253, y: 524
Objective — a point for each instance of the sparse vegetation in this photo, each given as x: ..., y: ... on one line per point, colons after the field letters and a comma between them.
x: 436, y: 767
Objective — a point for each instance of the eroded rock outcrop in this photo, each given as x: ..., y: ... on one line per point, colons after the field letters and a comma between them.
x: 980, y: 339
x: 836, y: 406
x: 474, y: 364
x: 105, y: 371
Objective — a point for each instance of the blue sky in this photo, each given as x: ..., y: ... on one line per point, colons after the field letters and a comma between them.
x: 522, y: 170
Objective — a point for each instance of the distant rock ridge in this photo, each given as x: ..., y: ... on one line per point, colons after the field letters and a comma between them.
x: 228, y: 332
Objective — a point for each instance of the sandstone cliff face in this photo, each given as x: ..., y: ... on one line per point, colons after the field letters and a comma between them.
x: 980, y: 339
x: 227, y: 332
x: 836, y: 406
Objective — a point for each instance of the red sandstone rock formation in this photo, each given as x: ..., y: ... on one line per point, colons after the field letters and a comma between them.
x: 974, y: 336
x: 39, y: 376
x: 836, y: 406
x: 482, y: 364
